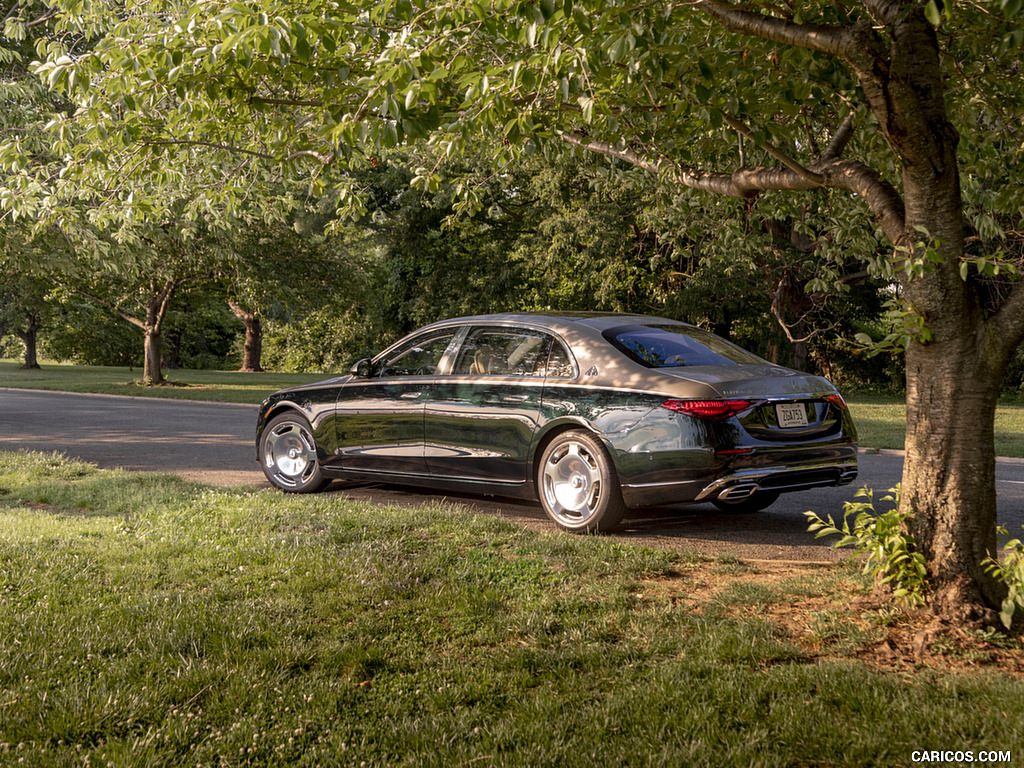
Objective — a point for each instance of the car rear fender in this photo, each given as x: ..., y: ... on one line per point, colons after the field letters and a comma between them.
x: 664, y: 445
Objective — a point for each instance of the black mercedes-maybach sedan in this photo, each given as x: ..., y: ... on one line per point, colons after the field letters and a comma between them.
x: 590, y: 413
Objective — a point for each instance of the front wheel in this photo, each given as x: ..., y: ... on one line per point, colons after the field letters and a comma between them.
x: 578, y: 485
x: 288, y: 456
x: 755, y: 502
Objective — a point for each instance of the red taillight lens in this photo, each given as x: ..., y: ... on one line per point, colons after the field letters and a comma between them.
x: 837, y: 401
x: 712, y: 410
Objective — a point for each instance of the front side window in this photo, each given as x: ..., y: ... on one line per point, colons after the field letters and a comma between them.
x: 419, y: 357
x: 674, y: 346
x: 503, y: 352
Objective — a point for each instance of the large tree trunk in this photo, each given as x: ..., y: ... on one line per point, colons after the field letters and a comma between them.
x: 953, y: 377
x: 949, y: 472
x: 156, y: 310
x: 253, y: 348
x: 30, y: 338
x: 152, y: 373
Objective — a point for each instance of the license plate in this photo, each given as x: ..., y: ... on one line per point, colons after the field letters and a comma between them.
x: 791, y: 415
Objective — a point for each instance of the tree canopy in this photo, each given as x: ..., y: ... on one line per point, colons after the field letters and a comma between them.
x: 902, y: 115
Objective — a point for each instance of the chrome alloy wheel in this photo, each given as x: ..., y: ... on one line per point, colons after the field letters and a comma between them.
x: 289, y: 455
x: 573, y: 484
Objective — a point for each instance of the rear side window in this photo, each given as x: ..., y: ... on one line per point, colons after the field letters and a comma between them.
x: 674, y: 346
x: 503, y: 352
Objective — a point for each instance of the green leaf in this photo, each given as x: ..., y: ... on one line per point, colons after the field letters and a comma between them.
x: 1011, y: 7
x: 933, y: 14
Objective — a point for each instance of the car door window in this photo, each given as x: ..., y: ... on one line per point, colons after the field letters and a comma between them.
x: 420, y: 357
x: 503, y: 352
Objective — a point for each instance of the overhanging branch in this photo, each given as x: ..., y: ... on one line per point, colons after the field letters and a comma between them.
x: 834, y: 40
x: 829, y: 172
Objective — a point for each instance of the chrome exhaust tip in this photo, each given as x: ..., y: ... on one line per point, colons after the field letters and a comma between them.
x: 738, y: 492
x: 847, y: 477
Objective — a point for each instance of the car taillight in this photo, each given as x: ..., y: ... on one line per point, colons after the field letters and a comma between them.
x: 837, y: 401
x: 712, y: 410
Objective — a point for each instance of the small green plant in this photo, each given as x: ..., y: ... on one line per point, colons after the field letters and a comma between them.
x: 890, y: 551
x: 1011, y: 572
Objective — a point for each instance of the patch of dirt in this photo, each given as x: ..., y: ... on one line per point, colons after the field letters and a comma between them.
x: 138, y: 384
x: 839, y: 621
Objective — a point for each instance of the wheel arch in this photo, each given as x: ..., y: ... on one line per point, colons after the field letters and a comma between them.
x: 560, y: 428
x: 271, y: 411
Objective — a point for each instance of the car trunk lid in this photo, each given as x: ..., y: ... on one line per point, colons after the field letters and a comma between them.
x: 785, y: 405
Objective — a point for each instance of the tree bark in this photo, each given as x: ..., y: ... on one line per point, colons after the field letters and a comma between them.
x: 152, y: 372
x: 156, y: 309
x: 252, y: 351
x: 30, y: 338
x: 949, y: 471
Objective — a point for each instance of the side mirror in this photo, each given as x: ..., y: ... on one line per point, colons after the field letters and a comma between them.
x: 363, y: 369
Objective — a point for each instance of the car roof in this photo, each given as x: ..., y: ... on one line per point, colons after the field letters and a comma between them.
x: 598, y: 321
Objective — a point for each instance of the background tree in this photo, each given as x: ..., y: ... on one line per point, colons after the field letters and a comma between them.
x: 25, y: 309
x: 138, y: 280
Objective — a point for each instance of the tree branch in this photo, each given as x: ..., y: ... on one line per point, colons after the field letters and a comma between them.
x: 211, y: 144
x: 782, y: 157
x: 839, y: 141
x: 834, y: 40
x: 111, y: 306
x: 1008, y: 322
x: 745, y: 183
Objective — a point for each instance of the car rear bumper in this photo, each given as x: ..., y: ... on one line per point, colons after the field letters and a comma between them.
x: 740, y: 483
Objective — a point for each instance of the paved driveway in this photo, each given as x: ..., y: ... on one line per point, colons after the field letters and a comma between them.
x: 213, y: 443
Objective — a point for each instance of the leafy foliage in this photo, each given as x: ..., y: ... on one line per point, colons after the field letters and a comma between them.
x: 1010, y: 571
x: 891, y: 555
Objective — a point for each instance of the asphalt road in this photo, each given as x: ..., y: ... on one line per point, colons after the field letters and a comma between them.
x: 213, y: 443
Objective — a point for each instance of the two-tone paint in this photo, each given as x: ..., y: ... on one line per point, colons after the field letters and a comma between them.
x: 484, y: 433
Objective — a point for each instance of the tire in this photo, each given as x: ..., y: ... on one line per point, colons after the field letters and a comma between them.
x: 288, y: 456
x: 755, y: 502
x: 578, y: 485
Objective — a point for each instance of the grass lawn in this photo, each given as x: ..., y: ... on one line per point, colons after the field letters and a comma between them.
x: 882, y: 423
x: 218, y: 386
x: 149, y: 622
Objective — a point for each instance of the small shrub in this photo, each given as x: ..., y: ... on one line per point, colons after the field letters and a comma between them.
x: 891, y: 555
x: 1011, y: 572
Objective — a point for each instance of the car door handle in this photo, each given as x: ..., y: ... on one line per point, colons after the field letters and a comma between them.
x: 409, y: 395
x: 517, y: 398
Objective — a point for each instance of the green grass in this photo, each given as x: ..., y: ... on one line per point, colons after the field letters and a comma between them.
x: 882, y: 423
x: 147, y: 621
x: 217, y: 386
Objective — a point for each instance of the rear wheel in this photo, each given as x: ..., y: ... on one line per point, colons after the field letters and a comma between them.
x: 578, y: 485
x: 288, y: 456
x: 755, y: 502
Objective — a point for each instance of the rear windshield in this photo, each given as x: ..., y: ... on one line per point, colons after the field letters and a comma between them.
x: 673, y: 346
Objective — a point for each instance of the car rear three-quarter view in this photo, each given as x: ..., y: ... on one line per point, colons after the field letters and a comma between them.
x: 590, y: 414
